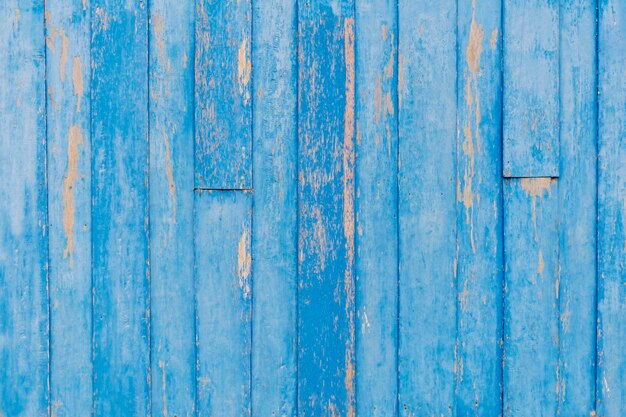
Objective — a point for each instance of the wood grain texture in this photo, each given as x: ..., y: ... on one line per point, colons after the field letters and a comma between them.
x: 577, y: 212
x: 531, y: 88
x: 326, y: 316
x: 376, y: 202
x: 274, y: 235
x: 223, y: 89
x: 223, y: 262
x: 479, y: 209
x: 24, y: 328
x: 427, y: 207
x: 173, y: 348
x: 120, y: 223
x: 611, y: 383
x: 531, y: 292
x: 69, y: 205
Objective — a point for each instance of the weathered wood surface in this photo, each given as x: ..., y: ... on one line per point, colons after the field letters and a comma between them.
x: 120, y: 209
x: 68, y: 120
x: 24, y: 301
x: 531, y: 292
x: 427, y: 207
x: 479, y: 267
x: 274, y: 223
x: 531, y: 88
x: 376, y: 239
x: 611, y: 360
x: 312, y: 208
x: 326, y: 152
x: 577, y: 210
x: 171, y: 134
x: 223, y: 92
x: 222, y: 222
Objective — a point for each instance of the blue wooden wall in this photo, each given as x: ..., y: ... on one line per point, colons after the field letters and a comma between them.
x: 313, y: 208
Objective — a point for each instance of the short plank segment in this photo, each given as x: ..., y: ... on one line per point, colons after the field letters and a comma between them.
x: 223, y: 91
x: 23, y: 236
x: 531, y: 338
x: 479, y: 210
x: 427, y: 207
x: 531, y: 88
x: 611, y: 382
x: 326, y: 322
x: 274, y: 236
x: 69, y: 206
x: 577, y: 200
x: 223, y: 263
x: 120, y: 225
x: 173, y: 347
x: 376, y: 208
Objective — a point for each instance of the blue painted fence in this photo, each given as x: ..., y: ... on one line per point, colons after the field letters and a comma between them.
x: 313, y: 208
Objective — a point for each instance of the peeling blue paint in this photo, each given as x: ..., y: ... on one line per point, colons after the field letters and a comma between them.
x: 312, y: 208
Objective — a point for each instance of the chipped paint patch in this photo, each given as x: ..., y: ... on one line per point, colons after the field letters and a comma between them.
x: 493, y: 40
x: 75, y: 139
x: 169, y: 172
x: 244, y: 67
x: 65, y: 45
x: 164, y: 385
x: 537, y: 187
x: 378, y: 99
x: 77, y: 81
x: 348, y: 207
x: 244, y: 263
x: 54, y: 408
x: 400, y: 79
x: 158, y: 29
x: 471, y: 130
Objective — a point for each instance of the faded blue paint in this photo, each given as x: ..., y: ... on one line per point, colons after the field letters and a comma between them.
x: 23, y: 232
x: 172, y: 338
x: 223, y: 91
x: 479, y: 209
x: 274, y: 223
x: 69, y: 206
x: 531, y: 88
x: 577, y: 210
x: 224, y: 292
x: 435, y: 224
x: 119, y: 213
x: 531, y: 285
x: 611, y: 360
x: 326, y: 316
x: 427, y: 211
x: 376, y: 240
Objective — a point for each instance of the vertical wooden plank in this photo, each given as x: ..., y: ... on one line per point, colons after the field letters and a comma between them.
x: 326, y: 209
x: 274, y: 236
x: 611, y: 385
x: 69, y: 205
x: 120, y: 226
x: 376, y: 265
x: 531, y: 88
x: 531, y: 339
x: 223, y: 91
x: 223, y: 283
x: 577, y: 200
x: 23, y: 236
x: 427, y: 213
x: 173, y: 348
x: 479, y: 209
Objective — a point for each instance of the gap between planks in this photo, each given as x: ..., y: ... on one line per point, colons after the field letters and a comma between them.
x: 209, y: 190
